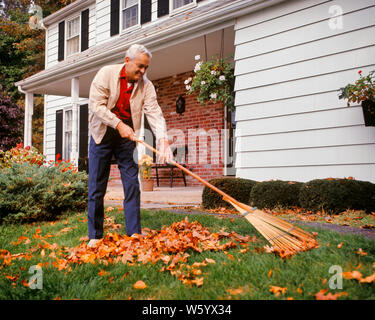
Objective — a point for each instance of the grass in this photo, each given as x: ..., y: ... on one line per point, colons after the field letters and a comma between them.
x: 247, y: 276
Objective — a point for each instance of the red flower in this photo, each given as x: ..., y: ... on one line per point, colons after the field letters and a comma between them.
x: 360, y: 72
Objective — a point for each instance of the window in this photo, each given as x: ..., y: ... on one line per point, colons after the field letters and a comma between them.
x: 176, y: 4
x: 72, y: 36
x: 130, y: 11
x: 67, y: 149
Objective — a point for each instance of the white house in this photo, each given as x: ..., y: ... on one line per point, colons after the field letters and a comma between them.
x: 290, y: 58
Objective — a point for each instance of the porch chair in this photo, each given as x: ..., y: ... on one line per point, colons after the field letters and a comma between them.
x: 179, y: 156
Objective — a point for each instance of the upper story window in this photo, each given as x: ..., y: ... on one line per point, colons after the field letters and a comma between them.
x: 183, y: 4
x: 72, y: 36
x: 130, y: 13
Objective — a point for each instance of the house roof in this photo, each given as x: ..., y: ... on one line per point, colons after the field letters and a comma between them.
x: 155, y: 35
x: 72, y: 8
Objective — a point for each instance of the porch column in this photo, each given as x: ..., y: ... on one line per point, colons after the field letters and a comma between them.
x: 75, y: 102
x: 29, y: 110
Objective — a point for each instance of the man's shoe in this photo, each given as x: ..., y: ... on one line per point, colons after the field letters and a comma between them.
x: 93, y: 242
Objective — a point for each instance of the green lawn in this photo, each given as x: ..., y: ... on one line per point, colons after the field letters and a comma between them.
x: 235, y: 275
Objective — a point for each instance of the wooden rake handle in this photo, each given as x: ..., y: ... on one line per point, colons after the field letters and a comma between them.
x: 226, y: 197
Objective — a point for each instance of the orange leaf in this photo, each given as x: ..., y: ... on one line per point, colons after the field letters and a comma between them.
x: 234, y: 292
x: 103, y: 273
x: 368, y: 279
x: 277, y: 290
x: 352, y: 275
x: 210, y: 260
x: 329, y: 296
x: 361, y: 252
x: 140, y: 285
x: 339, y: 245
x: 269, y: 273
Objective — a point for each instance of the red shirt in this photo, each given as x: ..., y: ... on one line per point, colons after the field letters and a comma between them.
x: 122, y: 108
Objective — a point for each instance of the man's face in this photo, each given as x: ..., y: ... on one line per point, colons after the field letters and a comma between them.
x: 136, y: 68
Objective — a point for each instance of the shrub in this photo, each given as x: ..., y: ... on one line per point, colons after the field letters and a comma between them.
x: 337, y: 195
x: 19, y: 154
x: 32, y: 193
x: 11, y: 122
x: 272, y: 194
x: 237, y: 188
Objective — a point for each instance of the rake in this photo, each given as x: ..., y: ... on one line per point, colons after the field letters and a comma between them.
x: 285, y: 238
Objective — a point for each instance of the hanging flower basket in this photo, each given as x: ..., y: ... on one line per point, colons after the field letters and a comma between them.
x: 362, y: 91
x: 213, y: 82
x: 368, y: 108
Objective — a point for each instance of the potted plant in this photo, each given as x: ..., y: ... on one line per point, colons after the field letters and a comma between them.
x: 213, y: 81
x: 362, y: 91
x: 145, y: 167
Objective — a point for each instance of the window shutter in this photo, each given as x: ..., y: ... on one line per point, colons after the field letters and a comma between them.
x: 61, y: 42
x: 84, y: 30
x: 115, y: 17
x: 145, y: 11
x: 163, y: 7
x: 59, y: 134
x: 83, y: 130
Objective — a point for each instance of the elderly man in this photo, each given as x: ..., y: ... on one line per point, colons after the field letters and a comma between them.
x: 118, y: 95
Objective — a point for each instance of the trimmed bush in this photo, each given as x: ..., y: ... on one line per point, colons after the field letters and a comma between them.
x: 272, y: 194
x: 32, y: 193
x: 238, y: 188
x: 337, y: 195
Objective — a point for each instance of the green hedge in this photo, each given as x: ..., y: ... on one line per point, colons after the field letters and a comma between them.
x: 237, y: 188
x: 272, y: 194
x: 333, y: 195
x: 337, y: 195
x: 32, y: 193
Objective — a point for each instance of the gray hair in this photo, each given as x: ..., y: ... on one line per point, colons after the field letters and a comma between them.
x: 135, y: 49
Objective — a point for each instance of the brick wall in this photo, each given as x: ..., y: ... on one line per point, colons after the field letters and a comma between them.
x: 199, y: 127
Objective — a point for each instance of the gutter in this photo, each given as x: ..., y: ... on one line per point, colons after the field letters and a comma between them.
x: 156, y: 41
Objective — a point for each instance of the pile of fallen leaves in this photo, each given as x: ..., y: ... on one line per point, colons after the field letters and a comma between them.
x: 169, y: 245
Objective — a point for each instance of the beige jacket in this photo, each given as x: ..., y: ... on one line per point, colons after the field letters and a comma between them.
x: 104, y: 93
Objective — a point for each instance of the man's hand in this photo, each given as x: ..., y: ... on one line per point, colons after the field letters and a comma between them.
x: 165, y: 150
x: 125, y: 131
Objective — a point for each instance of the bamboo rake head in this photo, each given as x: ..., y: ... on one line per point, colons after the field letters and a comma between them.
x: 285, y: 238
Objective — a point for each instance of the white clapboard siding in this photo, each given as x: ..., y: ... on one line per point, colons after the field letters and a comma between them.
x: 52, y: 45
x: 310, y: 68
x: 299, y: 18
x: 307, y: 157
x: 299, y: 87
x: 320, y: 48
x: 364, y: 172
x: 312, y: 32
x: 289, y: 66
x: 305, y: 121
x: 103, y: 21
x: 92, y: 25
x: 337, y: 136
x: 303, y: 104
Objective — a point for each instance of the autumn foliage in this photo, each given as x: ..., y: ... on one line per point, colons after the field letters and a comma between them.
x: 170, y: 245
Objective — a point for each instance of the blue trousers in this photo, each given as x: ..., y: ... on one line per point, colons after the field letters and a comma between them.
x: 100, y: 156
